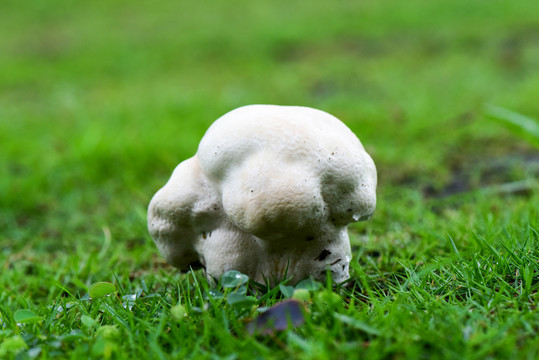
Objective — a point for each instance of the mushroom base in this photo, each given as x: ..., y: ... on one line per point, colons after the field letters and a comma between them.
x: 233, y: 249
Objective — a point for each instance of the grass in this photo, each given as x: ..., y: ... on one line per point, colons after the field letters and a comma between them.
x: 527, y: 128
x: 100, y: 101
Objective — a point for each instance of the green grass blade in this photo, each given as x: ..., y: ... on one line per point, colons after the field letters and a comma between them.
x: 521, y: 125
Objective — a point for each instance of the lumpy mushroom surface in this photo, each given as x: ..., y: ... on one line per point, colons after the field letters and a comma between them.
x: 270, y: 193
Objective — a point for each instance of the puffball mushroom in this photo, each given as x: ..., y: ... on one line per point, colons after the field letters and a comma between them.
x: 270, y: 193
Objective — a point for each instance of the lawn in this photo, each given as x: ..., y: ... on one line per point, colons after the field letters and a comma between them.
x: 100, y: 100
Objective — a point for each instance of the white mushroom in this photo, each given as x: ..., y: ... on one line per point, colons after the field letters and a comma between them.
x: 269, y: 193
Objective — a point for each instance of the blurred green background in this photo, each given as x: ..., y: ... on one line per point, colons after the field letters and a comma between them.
x: 100, y: 100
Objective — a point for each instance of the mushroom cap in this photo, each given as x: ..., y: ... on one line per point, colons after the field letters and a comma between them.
x: 269, y: 186
x: 274, y: 161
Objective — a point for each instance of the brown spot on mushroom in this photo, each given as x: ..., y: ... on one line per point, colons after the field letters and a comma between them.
x: 309, y: 238
x: 195, y: 265
x: 336, y: 261
x: 324, y: 254
x: 204, y: 235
